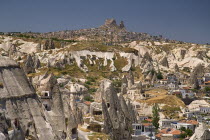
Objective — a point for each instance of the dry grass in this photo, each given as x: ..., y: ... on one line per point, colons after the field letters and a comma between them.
x: 120, y: 62
x: 83, y: 129
x: 97, y: 46
x: 170, y: 100
x: 157, y: 92
x: 99, y: 136
x: 171, y: 112
x: 98, y: 118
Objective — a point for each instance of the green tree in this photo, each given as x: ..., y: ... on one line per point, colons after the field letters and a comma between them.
x: 207, y: 89
x: 155, y: 116
x: 159, y: 75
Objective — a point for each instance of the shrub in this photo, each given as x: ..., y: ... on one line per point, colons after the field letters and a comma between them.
x: 186, y: 69
x: 88, y: 98
x: 159, y: 75
x: 1, y: 85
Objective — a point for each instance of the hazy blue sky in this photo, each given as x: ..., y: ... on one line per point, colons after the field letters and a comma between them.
x: 186, y: 20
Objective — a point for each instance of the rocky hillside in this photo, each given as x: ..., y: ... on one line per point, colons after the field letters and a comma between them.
x: 110, y: 32
x: 56, y: 72
x: 90, y: 56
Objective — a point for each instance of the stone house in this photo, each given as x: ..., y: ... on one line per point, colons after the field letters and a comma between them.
x: 146, y: 129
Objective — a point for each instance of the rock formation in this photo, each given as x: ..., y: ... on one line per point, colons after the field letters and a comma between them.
x: 182, y: 53
x: 53, y: 118
x: 176, y: 68
x: 198, y: 71
x: 18, y: 99
x: 124, y: 85
x: 48, y: 44
x: 122, y: 26
x: 130, y: 79
x: 201, y: 133
x: 29, y: 65
x: 118, y: 120
x: 110, y: 23
x: 164, y: 62
x: 12, y: 50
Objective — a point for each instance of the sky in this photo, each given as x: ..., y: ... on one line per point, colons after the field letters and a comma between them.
x: 184, y: 20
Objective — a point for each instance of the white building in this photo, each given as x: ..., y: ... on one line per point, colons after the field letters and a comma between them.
x: 180, y: 125
x: 166, y: 123
x: 205, y: 109
x: 145, y: 129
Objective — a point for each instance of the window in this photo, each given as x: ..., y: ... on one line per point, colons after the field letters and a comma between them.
x: 137, y: 106
x: 46, y: 94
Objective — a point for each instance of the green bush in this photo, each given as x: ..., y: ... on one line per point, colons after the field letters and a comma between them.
x: 159, y: 75
x: 187, y: 132
x: 88, y: 83
x: 207, y: 89
x: 92, y: 90
x: 186, y: 69
x: 88, y: 98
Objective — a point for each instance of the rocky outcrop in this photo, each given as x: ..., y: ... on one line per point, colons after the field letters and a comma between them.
x: 48, y: 44
x: 182, y: 53
x: 122, y: 26
x: 130, y: 79
x: 21, y: 104
x: 164, y: 62
x: 54, y: 118
x: 198, y: 71
x: 201, y: 133
x: 39, y: 47
x: 201, y: 54
x: 110, y: 23
x: 117, y: 116
x: 29, y: 65
x: 37, y: 63
x: 108, y: 32
x: 12, y: 50
x: 176, y: 68
x: 5, y: 124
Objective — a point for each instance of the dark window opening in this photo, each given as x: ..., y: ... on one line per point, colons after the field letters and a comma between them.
x: 74, y: 131
x: 142, y: 128
x: 97, y: 112
x: 108, y: 105
x: 47, y: 107
x: 46, y: 94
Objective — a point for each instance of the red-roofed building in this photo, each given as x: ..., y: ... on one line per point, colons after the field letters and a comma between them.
x: 87, y: 103
x: 174, y: 133
x: 149, y: 120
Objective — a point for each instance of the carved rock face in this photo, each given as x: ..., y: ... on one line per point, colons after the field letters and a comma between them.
x: 21, y: 103
x: 122, y: 25
x: 176, y: 68
x: 110, y: 22
x: 29, y: 65
x: 117, y: 115
x: 164, y: 62
x: 182, y: 53
x: 49, y: 44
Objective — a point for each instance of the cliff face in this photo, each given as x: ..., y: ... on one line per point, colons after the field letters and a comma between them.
x: 20, y: 104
